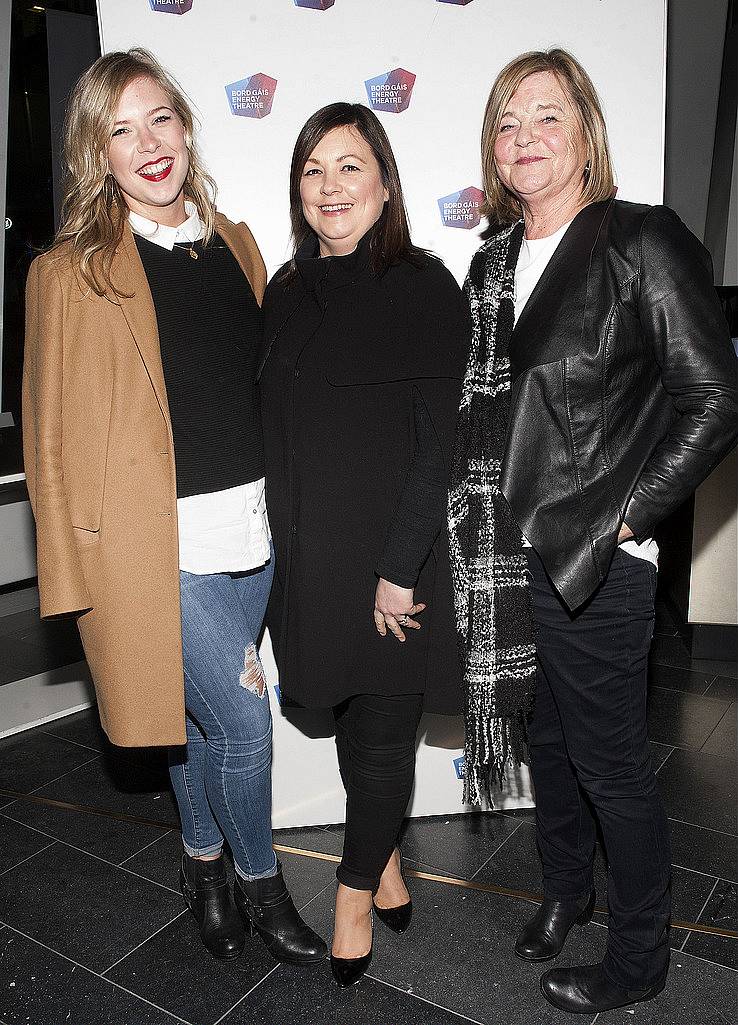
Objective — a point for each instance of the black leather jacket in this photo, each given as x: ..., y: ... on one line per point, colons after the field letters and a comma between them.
x: 624, y: 388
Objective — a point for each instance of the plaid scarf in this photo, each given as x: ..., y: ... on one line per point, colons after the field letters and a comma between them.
x: 491, y: 590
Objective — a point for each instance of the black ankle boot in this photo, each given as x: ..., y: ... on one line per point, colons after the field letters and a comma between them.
x: 545, y: 934
x: 585, y: 989
x: 266, y: 907
x: 207, y: 893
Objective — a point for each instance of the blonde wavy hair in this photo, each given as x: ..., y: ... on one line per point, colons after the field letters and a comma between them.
x: 598, y: 180
x: 94, y: 211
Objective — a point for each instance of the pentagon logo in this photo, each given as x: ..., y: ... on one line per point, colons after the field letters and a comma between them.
x: 391, y: 92
x: 461, y: 209
x: 252, y: 97
x: 171, y: 6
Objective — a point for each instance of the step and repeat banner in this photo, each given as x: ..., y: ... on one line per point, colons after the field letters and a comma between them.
x: 256, y: 69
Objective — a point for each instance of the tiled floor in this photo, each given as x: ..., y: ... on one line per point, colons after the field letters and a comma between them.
x: 93, y: 930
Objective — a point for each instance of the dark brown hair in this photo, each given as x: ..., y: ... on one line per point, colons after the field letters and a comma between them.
x: 390, y: 236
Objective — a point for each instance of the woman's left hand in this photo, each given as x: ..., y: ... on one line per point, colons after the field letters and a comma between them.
x: 393, y: 607
x: 625, y: 534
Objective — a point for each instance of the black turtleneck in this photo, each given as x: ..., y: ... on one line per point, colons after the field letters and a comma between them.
x: 421, y: 509
x: 209, y: 329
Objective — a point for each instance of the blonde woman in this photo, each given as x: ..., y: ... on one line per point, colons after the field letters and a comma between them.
x: 144, y: 463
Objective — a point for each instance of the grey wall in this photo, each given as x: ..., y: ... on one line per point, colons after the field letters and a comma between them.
x: 730, y: 270
x: 695, y: 35
x: 5, y: 12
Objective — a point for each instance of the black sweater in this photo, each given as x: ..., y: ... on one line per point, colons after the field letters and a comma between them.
x: 360, y: 392
x: 209, y: 328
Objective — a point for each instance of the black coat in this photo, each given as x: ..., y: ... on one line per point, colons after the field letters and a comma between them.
x: 623, y: 388
x: 345, y: 350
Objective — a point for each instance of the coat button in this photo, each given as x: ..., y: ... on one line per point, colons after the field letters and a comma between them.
x: 294, y: 528
x: 297, y: 373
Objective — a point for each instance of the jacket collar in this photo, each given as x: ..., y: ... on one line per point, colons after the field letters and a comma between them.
x: 571, y: 257
x: 325, y: 273
x: 137, y: 306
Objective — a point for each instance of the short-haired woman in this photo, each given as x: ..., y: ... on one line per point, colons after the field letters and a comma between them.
x: 599, y: 393
x: 144, y: 463
x: 365, y: 340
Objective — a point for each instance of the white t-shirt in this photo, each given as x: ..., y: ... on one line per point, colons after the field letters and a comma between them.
x: 223, y: 531
x: 532, y: 261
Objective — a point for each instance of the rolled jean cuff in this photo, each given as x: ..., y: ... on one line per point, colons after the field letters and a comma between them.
x: 251, y: 877
x: 203, y: 852
x: 355, y: 881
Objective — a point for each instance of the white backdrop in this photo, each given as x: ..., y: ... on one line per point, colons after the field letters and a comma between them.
x: 256, y: 69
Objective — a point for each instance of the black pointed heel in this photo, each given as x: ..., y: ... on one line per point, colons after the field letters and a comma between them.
x: 397, y: 919
x: 347, y: 971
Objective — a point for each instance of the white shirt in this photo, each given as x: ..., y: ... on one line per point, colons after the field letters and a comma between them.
x: 532, y: 261
x: 223, y: 531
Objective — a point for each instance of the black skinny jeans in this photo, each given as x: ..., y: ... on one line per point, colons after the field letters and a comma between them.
x: 590, y: 757
x: 375, y: 739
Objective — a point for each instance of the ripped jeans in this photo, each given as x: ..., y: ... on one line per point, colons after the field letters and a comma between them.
x: 222, y: 779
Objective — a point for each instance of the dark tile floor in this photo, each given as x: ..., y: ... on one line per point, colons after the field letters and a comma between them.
x: 93, y: 930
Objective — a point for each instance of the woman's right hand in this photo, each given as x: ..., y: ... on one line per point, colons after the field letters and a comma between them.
x: 393, y: 607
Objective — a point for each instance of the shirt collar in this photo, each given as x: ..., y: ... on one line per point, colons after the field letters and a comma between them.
x: 190, y: 230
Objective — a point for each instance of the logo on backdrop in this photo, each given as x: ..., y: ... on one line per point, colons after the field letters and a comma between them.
x: 461, y: 209
x: 315, y: 5
x: 171, y: 6
x: 459, y: 767
x: 391, y: 92
x: 252, y: 97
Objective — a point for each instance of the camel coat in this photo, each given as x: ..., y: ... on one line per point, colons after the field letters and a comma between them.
x: 99, y: 462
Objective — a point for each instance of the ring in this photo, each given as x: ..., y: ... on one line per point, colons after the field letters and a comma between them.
x: 402, y: 620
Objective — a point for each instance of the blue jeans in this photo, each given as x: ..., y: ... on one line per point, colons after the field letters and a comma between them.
x: 222, y: 779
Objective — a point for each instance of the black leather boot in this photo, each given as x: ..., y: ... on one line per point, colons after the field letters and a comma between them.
x: 207, y: 893
x: 545, y: 934
x: 586, y: 989
x: 266, y: 908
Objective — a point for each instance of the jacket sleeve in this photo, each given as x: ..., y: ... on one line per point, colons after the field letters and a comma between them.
x: 422, y: 506
x: 440, y: 321
x: 61, y: 582
x: 682, y: 320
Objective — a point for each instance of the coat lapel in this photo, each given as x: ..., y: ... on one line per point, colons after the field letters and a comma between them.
x: 248, y: 257
x: 137, y: 304
x: 138, y: 308
x: 550, y: 325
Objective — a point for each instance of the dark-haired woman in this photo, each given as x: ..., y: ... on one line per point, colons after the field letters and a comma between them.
x: 365, y: 336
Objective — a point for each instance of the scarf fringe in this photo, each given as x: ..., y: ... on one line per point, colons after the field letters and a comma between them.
x: 493, y: 746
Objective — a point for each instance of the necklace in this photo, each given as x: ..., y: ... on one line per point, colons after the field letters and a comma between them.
x: 184, y: 249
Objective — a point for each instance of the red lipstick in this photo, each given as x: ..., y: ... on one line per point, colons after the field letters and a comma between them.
x: 157, y: 176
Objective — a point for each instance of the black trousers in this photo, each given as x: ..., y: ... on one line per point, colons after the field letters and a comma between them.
x: 375, y: 739
x: 590, y: 757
